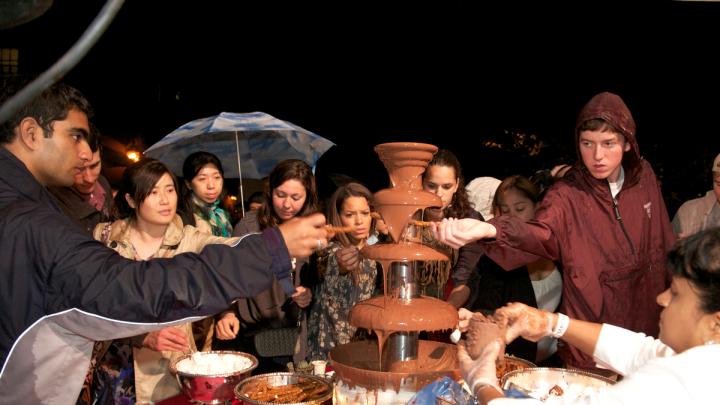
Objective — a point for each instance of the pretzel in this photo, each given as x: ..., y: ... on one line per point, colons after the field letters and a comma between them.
x: 420, y: 223
x: 317, y: 391
x: 339, y: 229
x: 285, y: 394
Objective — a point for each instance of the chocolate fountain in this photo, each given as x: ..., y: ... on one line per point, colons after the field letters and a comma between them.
x: 399, y: 364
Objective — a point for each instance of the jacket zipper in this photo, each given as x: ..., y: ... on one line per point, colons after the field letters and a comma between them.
x: 619, y: 219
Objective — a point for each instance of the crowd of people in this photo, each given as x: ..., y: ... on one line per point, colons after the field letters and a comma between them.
x: 105, y: 288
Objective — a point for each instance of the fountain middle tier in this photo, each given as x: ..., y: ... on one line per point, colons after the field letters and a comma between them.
x: 386, y: 315
x: 386, y: 253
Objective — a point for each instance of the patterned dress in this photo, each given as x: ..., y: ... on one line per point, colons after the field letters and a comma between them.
x: 335, y: 295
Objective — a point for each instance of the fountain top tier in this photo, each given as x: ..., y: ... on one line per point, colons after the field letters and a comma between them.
x: 405, y: 163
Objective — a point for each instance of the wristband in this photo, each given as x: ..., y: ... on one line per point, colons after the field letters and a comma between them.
x: 561, y: 326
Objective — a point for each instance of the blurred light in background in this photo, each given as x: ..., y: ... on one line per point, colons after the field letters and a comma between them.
x: 133, y: 155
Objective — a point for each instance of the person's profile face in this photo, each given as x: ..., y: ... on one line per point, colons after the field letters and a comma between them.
x: 680, y: 319
x: 63, y: 155
x: 288, y: 199
x: 602, y: 153
x: 716, y: 185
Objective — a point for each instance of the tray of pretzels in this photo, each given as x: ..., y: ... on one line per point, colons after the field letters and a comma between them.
x: 285, y: 388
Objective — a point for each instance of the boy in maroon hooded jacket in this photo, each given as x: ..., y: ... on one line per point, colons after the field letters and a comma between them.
x: 605, y: 222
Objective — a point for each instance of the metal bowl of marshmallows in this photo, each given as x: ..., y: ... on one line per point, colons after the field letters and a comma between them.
x: 210, y: 377
x: 542, y: 382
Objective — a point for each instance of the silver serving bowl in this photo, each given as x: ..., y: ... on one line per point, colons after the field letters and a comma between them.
x: 244, y: 390
x: 537, y: 382
x: 211, y: 388
x: 511, y: 364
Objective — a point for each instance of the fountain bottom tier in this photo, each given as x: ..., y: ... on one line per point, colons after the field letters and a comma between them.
x: 358, y: 379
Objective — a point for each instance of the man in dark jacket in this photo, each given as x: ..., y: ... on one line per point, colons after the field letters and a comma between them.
x: 89, y: 200
x: 605, y: 221
x: 60, y: 290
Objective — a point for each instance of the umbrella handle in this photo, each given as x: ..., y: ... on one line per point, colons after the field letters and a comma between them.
x: 237, y: 150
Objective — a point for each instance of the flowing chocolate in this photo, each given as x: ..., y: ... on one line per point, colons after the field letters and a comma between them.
x: 400, y: 313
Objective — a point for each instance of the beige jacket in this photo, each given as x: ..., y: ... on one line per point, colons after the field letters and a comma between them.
x: 692, y: 216
x: 153, y: 381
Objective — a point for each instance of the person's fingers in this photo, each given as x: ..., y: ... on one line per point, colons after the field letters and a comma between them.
x: 443, y: 228
x: 302, y: 296
x: 510, y: 311
x: 348, y: 257
x: 451, y: 229
x: 170, y: 342
x: 303, y: 236
x: 317, y: 220
x: 351, y: 262
x: 223, y: 329
x: 464, y: 317
x: 220, y: 330
x: 491, y: 350
x: 433, y: 227
x: 464, y: 313
x: 175, y: 336
x: 462, y: 353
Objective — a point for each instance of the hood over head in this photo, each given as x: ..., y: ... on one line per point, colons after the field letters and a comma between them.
x: 612, y: 109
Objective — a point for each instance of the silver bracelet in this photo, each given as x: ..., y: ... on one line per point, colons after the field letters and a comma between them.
x: 563, y: 321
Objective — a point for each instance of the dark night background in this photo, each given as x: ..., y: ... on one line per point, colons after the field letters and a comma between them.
x: 457, y: 75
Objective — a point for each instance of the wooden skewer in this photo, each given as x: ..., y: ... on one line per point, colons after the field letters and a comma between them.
x: 339, y: 229
x: 420, y: 223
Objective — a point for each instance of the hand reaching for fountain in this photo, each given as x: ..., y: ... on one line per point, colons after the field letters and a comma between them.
x: 464, y: 317
x: 304, y: 235
x: 479, y: 374
x: 456, y: 233
x: 522, y: 320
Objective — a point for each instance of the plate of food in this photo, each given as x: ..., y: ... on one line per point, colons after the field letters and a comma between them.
x: 285, y: 388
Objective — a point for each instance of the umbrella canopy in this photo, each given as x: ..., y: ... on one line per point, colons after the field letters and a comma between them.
x: 263, y: 142
x: 248, y: 145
